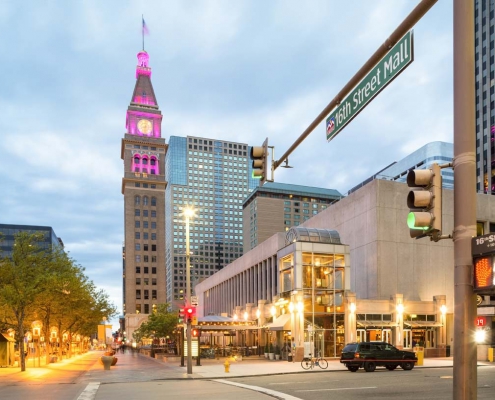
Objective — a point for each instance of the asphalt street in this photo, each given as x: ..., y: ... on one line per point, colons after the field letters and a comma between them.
x: 137, y: 376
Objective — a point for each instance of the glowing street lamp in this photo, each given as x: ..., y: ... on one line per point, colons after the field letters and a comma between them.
x: 188, y: 213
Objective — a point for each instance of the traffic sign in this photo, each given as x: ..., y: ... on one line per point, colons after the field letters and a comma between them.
x: 484, y: 244
x: 387, y: 69
x: 194, y: 301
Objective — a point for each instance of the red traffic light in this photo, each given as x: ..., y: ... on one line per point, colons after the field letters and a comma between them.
x: 195, y: 332
x: 190, y: 311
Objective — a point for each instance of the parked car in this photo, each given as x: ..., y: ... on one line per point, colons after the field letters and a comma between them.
x: 369, y: 355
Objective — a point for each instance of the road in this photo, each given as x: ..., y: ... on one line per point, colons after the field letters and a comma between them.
x: 427, y: 383
x: 137, y: 377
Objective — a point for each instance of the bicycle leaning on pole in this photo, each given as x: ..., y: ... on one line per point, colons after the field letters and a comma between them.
x: 311, y: 362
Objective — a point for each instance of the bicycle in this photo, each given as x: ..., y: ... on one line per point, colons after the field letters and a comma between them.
x: 311, y: 362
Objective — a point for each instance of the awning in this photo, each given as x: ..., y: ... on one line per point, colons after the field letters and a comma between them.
x: 282, y: 323
x: 227, y: 327
x: 422, y: 324
x: 381, y: 324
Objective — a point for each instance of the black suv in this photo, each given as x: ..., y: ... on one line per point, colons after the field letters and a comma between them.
x: 369, y: 355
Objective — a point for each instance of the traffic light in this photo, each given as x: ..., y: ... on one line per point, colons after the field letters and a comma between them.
x: 259, y: 155
x: 182, y: 314
x: 195, y: 333
x: 425, y: 202
x: 190, y: 311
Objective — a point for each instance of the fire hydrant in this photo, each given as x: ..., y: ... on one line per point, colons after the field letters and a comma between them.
x: 226, y: 364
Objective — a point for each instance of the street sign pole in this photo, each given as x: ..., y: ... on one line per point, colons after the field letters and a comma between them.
x: 465, y: 374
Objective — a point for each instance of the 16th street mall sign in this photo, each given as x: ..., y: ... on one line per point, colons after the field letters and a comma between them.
x: 389, y: 67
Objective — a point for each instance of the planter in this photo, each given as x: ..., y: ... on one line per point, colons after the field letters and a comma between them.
x: 271, y: 356
x: 277, y: 356
x: 107, y: 361
x: 266, y: 355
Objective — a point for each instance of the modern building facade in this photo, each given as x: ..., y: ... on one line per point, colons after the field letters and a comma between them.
x: 8, y: 232
x: 213, y: 177
x: 484, y: 13
x: 275, y: 207
x: 394, y: 288
x: 434, y: 152
x: 143, y: 186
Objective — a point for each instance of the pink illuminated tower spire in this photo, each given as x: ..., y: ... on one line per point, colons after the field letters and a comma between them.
x: 143, y: 115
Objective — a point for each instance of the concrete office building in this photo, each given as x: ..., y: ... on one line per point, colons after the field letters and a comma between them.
x: 143, y: 186
x: 395, y: 288
x: 214, y: 177
x: 275, y: 207
x: 8, y: 232
x: 485, y: 95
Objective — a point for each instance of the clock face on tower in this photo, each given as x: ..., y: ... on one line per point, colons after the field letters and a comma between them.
x: 144, y: 126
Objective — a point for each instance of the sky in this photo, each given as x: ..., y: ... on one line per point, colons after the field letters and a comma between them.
x: 229, y: 70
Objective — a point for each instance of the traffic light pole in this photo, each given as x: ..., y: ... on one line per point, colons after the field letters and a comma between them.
x: 465, y: 374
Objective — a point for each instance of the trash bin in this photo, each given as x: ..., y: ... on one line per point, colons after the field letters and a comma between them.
x: 447, y: 351
x: 289, y: 357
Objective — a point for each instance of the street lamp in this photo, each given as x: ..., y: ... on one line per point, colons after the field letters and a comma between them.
x: 443, y: 310
x: 188, y: 213
x: 400, y: 322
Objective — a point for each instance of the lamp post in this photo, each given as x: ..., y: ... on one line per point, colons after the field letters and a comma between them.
x: 188, y: 213
x: 258, y: 344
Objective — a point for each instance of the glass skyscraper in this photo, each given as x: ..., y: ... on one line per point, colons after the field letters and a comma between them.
x: 214, y: 177
x: 484, y: 14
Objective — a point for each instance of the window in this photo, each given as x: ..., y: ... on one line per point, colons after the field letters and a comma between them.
x: 153, y: 295
x: 137, y: 224
x: 138, y: 258
x: 153, y: 236
x: 153, y: 247
x: 137, y: 200
x: 138, y: 294
x: 138, y: 307
x: 145, y: 258
x: 145, y: 270
x: 153, y: 270
x: 153, y: 225
x: 137, y: 212
x: 145, y: 247
x: 145, y: 200
x: 145, y: 236
x: 138, y: 270
x: 146, y: 281
x: 153, y: 214
x: 146, y: 308
x: 153, y: 281
x: 138, y: 247
x: 145, y: 224
x: 153, y: 201
x: 145, y: 213
x: 138, y: 281
x: 146, y: 295
x: 137, y: 235
x: 153, y: 259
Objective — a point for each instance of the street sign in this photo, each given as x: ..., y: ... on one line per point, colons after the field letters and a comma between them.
x: 387, y: 69
x: 480, y: 321
x: 194, y: 301
x: 484, y: 244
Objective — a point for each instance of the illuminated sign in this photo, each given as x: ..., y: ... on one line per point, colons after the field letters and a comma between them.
x: 483, y: 273
x: 480, y: 321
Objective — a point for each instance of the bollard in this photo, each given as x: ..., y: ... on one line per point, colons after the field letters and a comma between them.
x: 227, y: 366
x: 490, y: 354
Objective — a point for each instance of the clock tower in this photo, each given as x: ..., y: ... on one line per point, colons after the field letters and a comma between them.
x: 143, y: 186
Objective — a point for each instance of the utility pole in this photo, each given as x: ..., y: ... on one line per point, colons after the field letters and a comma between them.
x: 465, y: 374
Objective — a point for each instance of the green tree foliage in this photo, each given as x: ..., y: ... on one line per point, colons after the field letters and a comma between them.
x: 160, y: 324
x: 47, y: 285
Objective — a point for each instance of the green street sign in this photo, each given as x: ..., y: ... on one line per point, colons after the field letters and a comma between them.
x: 387, y: 69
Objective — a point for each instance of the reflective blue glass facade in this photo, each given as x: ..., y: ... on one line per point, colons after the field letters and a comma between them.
x: 8, y: 232
x: 213, y: 177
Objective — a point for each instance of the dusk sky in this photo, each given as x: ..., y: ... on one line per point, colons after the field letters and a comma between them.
x: 231, y: 70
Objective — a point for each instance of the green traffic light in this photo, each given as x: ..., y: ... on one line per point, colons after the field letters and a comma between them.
x: 411, y: 223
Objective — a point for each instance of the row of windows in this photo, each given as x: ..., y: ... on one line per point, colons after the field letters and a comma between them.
x: 137, y: 235
x: 145, y: 270
x: 145, y: 258
x: 146, y: 281
x: 145, y: 185
x: 137, y: 213
x: 297, y: 210
x: 137, y: 224
x: 146, y: 296
x: 137, y: 201
x: 145, y: 247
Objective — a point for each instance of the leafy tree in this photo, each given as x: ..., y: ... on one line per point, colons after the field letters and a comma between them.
x: 160, y: 324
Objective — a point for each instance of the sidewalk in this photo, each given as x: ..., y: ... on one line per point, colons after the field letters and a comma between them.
x: 134, y: 367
